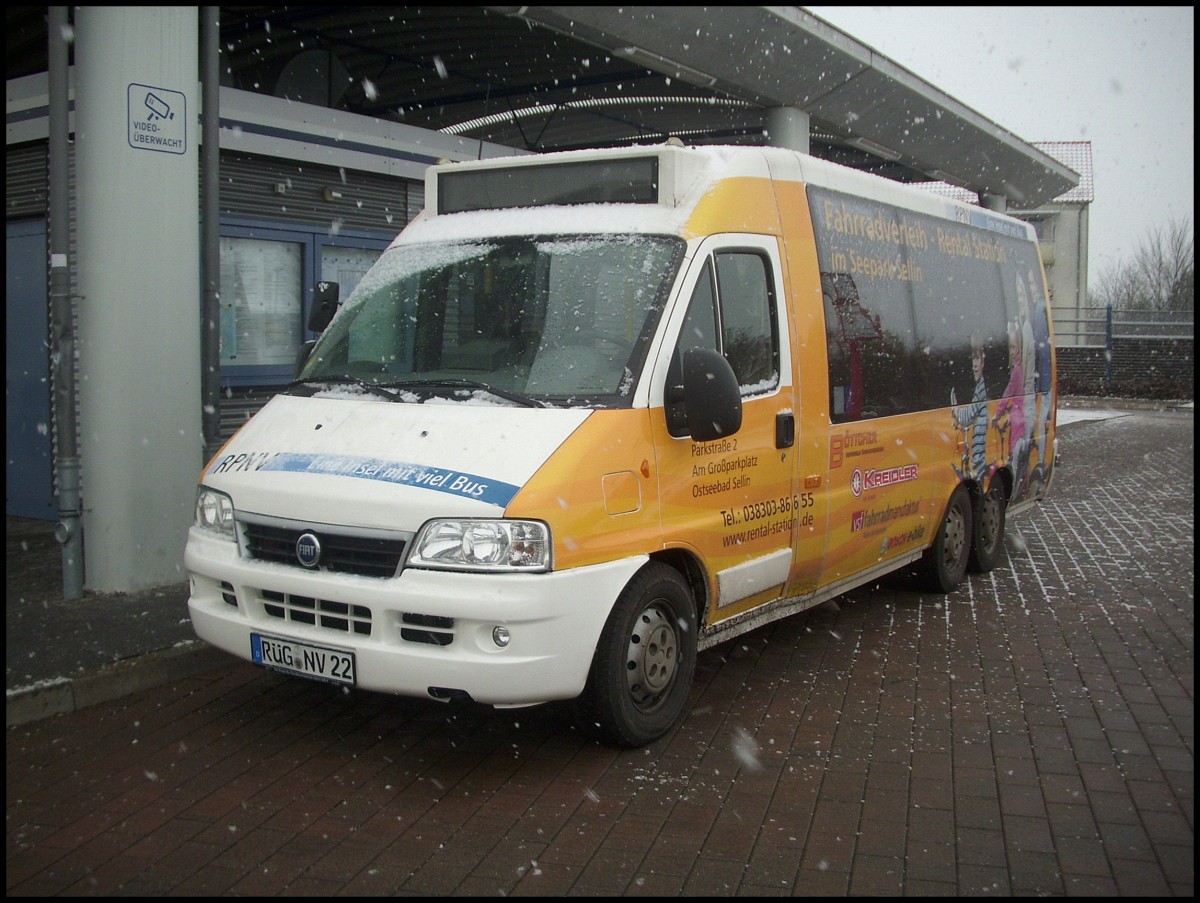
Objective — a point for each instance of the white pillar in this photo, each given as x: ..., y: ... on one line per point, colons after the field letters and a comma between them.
x: 137, y: 208
x: 788, y: 127
x: 996, y: 202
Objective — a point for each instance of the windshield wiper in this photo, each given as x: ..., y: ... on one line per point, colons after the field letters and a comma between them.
x: 373, y: 388
x: 506, y: 394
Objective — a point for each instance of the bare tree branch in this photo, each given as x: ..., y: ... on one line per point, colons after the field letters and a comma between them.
x: 1161, y: 275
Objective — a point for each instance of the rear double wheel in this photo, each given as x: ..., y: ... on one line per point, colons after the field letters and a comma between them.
x: 987, y: 544
x: 642, y: 670
x: 945, y: 562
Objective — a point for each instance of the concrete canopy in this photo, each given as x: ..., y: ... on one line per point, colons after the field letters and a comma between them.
x: 858, y: 99
x: 544, y: 78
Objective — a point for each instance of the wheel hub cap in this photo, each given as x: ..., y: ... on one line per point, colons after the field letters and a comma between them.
x: 653, y: 656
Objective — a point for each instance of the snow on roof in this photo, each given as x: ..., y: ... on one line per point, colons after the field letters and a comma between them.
x: 1075, y: 155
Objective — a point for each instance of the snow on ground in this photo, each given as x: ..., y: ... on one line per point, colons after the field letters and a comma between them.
x: 1074, y: 415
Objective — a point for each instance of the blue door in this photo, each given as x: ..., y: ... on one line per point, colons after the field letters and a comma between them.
x: 28, y: 456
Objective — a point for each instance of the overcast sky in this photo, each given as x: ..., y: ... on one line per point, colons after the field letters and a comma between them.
x: 1120, y: 77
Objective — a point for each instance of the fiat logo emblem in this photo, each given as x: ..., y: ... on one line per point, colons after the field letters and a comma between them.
x: 308, y: 550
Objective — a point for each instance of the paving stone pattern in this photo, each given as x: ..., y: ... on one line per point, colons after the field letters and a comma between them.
x: 1030, y: 733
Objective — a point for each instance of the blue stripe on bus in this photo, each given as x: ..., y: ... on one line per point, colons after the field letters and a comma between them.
x: 420, y: 476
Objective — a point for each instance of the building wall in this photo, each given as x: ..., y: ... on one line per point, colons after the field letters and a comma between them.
x: 1140, y: 368
x: 1067, y: 275
x: 339, y: 188
x: 1063, y: 241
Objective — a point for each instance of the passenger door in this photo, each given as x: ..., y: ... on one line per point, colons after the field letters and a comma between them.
x: 731, y: 501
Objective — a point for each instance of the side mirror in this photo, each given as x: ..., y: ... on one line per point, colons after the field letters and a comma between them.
x: 324, y: 306
x: 711, y: 395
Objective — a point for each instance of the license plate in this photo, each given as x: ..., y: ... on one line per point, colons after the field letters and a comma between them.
x: 307, y: 660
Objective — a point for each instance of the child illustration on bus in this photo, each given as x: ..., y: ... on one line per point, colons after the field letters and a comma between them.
x: 1041, y: 382
x: 1010, y: 412
x: 973, y: 417
x: 1026, y: 338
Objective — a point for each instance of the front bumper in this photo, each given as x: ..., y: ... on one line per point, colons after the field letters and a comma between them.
x: 421, y: 633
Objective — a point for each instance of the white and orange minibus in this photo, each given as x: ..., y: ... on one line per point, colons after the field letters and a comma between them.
x: 593, y: 412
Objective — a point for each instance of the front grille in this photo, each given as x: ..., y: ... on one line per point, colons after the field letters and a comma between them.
x: 367, y: 556
x: 434, y: 630
x: 355, y: 619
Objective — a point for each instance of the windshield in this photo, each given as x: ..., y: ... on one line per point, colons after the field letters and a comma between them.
x: 538, y: 320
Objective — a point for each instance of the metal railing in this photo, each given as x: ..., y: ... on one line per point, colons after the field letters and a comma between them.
x: 1099, y: 326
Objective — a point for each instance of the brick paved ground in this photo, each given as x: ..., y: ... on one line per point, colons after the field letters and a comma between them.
x: 1031, y: 733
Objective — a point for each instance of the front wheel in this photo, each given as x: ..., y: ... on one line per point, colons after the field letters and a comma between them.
x: 945, y: 562
x: 643, y: 666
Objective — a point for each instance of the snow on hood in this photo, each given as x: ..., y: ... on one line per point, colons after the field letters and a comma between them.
x: 375, y: 463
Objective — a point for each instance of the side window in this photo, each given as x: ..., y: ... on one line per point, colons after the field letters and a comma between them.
x: 732, y: 311
x: 748, y: 335
x: 874, y: 363
x: 921, y: 310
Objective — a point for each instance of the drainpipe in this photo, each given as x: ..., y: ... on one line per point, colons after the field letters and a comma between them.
x: 210, y: 162
x: 69, y: 531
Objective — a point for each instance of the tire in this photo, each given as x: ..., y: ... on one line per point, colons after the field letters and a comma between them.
x: 1037, y: 481
x: 642, y: 670
x: 987, y: 543
x: 945, y: 562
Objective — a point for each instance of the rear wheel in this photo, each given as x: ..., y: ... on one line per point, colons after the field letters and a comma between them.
x: 644, y: 662
x: 945, y: 562
x: 987, y: 546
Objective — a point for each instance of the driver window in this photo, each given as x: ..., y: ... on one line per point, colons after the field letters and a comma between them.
x: 749, y: 341
x: 732, y: 310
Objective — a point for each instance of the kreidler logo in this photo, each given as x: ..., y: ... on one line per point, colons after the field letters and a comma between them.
x: 308, y: 550
x: 856, y: 482
x: 876, y: 479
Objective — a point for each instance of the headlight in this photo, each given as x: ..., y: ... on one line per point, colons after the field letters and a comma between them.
x: 474, y: 545
x: 214, y: 511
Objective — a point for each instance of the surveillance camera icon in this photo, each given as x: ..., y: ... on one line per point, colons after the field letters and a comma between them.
x: 158, y: 107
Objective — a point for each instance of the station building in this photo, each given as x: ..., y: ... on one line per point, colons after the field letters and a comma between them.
x: 180, y: 179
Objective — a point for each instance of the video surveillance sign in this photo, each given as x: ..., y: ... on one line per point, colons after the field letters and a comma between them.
x: 157, y: 119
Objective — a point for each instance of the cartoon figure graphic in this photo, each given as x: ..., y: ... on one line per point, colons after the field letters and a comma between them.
x: 973, y: 417
x: 1010, y: 412
x: 1025, y: 335
x: 1041, y: 377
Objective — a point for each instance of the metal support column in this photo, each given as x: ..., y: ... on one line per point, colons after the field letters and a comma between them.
x: 69, y: 531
